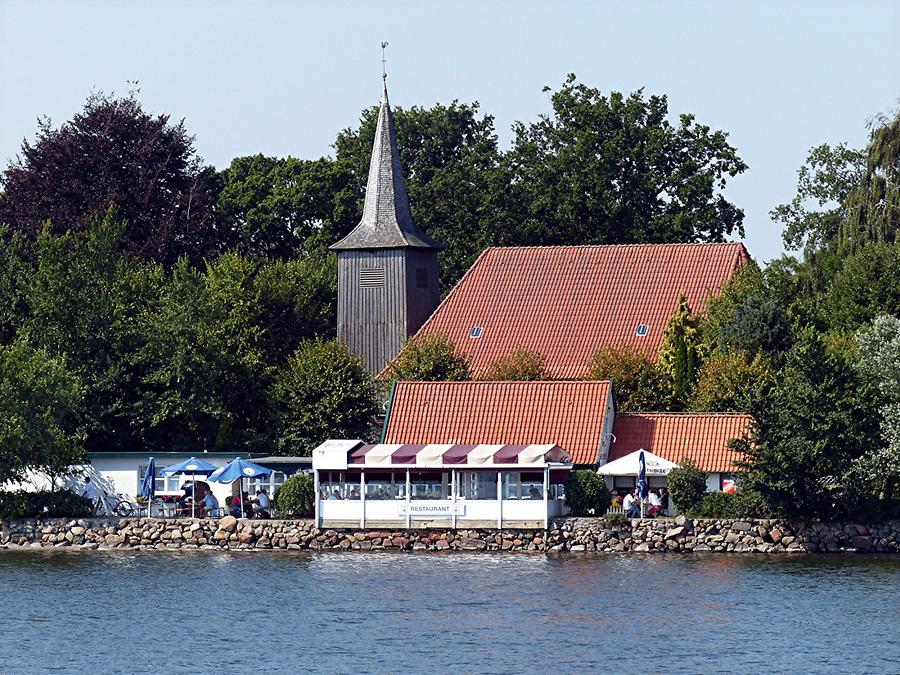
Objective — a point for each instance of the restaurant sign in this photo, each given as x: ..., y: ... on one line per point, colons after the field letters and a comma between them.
x: 434, y: 509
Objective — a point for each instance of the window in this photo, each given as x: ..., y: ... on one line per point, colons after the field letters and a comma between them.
x: 164, y: 484
x: 338, y: 485
x: 421, y: 277
x: 389, y: 485
x: 371, y: 277
x: 523, y: 485
x: 476, y: 485
x: 642, y: 330
x: 476, y: 332
x: 429, y: 485
x: 271, y: 483
x: 624, y: 482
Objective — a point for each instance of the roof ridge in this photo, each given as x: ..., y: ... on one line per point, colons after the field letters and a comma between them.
x: 631, y: 245
x: 683, y: 414
x: 516, y: 382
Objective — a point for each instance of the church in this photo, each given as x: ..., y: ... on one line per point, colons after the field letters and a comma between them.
x: 563, y: 302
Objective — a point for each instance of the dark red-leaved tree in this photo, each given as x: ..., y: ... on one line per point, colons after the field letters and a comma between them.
x: 113, y: 153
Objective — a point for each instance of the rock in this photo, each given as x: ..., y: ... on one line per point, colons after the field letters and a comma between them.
x: 732, y: 538
x: 642, y: 548
x: 861, y: 543
x: 741, y: 526
x: 245, y: 537
x: 674, y: 532
x: 776, y: 535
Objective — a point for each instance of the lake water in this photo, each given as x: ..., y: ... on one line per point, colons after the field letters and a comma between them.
x: 204, y: 612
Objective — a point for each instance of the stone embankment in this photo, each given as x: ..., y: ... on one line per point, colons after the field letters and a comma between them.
x: 571, y: 534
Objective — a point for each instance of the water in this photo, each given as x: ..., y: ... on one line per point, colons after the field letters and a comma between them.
x: 331, y: 612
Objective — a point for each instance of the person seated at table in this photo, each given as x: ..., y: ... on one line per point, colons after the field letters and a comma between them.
x: 534, y: 493
x: 234, y: 507
x: 209, y: 504
x: 615, y: 499
x: 354, y: 494
x: 655, y: 504
x: 335, y: 494
x: 632, y: 505
x: 248, y: 504
x: 262, y: 504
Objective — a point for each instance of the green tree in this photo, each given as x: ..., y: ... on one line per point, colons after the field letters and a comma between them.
x: 282, y: 207
x: 638, y: 383
x: 687, y: 486
x: 879, y: 360
x: 457, y: 179
x: 613, y: 169
x: 726, y: 382
x: 587, y: 494
x: 522, y: 365
x: 680, y: 353
x: 40, y: 409
x: 431, y: 358
x: 867, y: 285
x: 812, y: 420
x: 15, y: 278
x: 322, y: 392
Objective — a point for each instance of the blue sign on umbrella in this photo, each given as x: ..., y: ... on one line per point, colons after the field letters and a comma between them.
x: 192, y: 466
x: 643, y: 485
x: 237, y: 469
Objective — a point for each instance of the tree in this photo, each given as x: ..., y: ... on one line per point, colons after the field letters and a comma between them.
x: 680, y: 352
x: 322, y: 392
x: 811, y: 421
x: 457, y: 179
x: 432, y: 358
x: 613, y: 169
x: 638, y: 383
x: 15, y: 276
x: 867, y: 285
x: 879, y: 360
x: 687, y: 486
x: 40, y: 409
x: 113, y: 153
x: 726, y: 382
x: 280, y: 208
x: 522, y: 365
x: 827, y: 178
x: 587, y: 494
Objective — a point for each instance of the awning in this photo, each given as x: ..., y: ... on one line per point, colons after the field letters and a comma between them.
x: 450, y: 455
x: 628, y: 465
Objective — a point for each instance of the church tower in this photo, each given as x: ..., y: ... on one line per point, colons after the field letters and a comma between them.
x: 387, y: 266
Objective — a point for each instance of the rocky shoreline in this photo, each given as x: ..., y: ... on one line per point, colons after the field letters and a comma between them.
x: 577, y: 535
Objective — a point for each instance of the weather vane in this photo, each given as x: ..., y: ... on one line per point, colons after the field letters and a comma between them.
x: 383, y: 61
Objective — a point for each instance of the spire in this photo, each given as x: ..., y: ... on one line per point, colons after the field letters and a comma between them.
x: 386, y: 221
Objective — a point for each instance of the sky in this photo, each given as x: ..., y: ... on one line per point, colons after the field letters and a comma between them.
x: 283, y: 78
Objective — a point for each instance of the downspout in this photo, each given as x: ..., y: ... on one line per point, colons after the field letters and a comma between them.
x: 387, y: 412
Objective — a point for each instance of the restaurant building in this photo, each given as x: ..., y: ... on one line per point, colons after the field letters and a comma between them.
x: 438, y: 485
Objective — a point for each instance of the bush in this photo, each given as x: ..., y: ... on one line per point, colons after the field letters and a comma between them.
x: 687, y: 486
x: 743, y: 504
x: 520, y: 366
x: 432, y: 358
x: 44, y: 504
x: 638, y: 383
x: 587, y: 494
x: 296, y: 495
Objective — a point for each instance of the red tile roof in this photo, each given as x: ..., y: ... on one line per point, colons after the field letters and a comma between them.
x: 702, y: 437
x: 569, y: 414
x: 565, y: 302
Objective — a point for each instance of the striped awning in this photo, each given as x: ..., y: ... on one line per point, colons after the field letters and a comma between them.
x: 437, y: 455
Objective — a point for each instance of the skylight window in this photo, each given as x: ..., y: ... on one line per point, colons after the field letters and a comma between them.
x: 642, y: 330
x: 476, y: 331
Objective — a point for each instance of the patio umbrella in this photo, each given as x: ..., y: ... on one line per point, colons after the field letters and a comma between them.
x: 643, y: 485
x: 239, y: 469
x: 148, y: 485
x: 192, y: 467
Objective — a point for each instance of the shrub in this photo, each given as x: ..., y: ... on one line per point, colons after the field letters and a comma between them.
x: 742, y: 504
x: 638, y: 383
x: 587, y: 494
x: 44, y: 504
x: 520, y: 366
x: 432, y: 358
x: 687, y: 486
x: 296, y: 495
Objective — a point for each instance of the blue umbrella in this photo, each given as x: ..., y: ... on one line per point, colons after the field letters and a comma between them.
x: 192, y: 466
x: 238, y: 470
x: 643, y: 485
x: 148, y: 485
